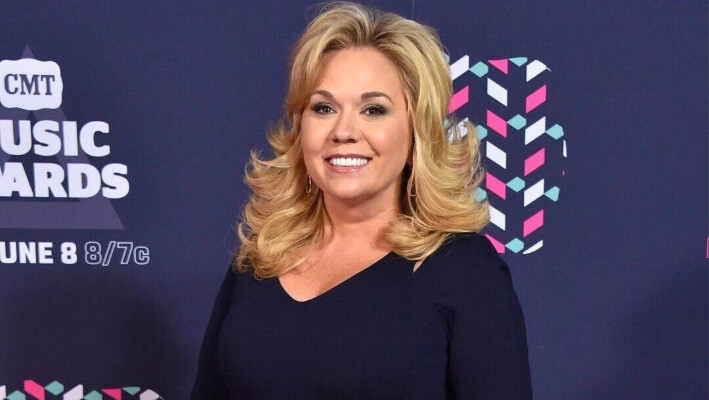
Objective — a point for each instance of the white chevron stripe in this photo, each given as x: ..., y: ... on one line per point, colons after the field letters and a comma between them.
x: 496, y: 91
x: 535, y: 68
x: 459, y: 67
x: 3, y: 393
x: 534, y: 247
x: 149, y: 395
x: 495, y: 154
x: 457, y: 132
x: 535, y: 130
x: 534, y: 192
x: 75, y: 394
x: 463, y: 130
x: 497, y: 217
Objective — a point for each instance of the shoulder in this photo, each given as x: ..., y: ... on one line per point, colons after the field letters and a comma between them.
x: 464, y: 245
x: 468, y: 270
x: 232, y: 278
x: 470, y: 254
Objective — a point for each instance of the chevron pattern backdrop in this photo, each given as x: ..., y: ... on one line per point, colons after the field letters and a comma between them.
x: 32, y: 390
x: 607, y: 248
x: 524, y: 149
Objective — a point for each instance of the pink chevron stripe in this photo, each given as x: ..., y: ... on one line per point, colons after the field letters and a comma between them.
x: 496, y: 244
x: 495, y: 185
x: 115, y: 394
x: 500, y: 64
x: 34, y: 389
x: 458, y: 100
x: 496, y: 123
x: 535, y: 99
x: 533, y: 223
x: 534, y: 161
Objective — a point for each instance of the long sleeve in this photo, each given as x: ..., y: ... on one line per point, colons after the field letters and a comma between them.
x: 488, y: 356
x: 209, y: 384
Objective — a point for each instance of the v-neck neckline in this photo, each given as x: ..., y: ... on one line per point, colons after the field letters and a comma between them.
x: 335, y: 288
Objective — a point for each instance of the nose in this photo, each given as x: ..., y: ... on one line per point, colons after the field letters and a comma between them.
x: 345, y: 128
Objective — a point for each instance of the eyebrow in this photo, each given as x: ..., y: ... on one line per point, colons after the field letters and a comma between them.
x: 365, y: 95
x: 369, y: 95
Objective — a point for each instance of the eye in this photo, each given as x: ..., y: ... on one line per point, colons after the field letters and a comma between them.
x: 322, y: 108
x: 374, y: 110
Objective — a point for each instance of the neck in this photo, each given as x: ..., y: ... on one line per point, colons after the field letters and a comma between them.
x: 361, y: 222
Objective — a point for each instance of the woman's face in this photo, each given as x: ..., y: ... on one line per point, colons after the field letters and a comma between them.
x: 355, y: 132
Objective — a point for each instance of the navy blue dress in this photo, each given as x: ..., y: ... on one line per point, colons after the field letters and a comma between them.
x: 452, y: 330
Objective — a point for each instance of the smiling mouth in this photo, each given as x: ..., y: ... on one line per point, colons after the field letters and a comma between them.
x: 348, y: 161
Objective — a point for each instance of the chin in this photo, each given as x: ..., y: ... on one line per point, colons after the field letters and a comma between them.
x: 347, y: 194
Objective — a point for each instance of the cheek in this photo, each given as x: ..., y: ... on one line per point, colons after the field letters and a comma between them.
x: 310, y: 144
x: 398, y: 143
x: 307, y: 139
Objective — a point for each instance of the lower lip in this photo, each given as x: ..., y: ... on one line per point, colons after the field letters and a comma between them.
x: 346, y: 169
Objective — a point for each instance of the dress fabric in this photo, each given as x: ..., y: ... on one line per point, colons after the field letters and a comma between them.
x: 454, y: 329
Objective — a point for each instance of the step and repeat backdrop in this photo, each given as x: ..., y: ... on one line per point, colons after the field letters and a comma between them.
x: 125, y: 128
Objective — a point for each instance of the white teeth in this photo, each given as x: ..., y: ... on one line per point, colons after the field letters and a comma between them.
x: 348, y: 162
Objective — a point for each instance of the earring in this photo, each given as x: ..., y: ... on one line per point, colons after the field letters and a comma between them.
x: 413, y: 186
x: 309, y: 186
x: 411, y: 174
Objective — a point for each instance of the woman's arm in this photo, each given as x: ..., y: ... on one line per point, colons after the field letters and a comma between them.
x: 209, y: 383
x: 488, y: 356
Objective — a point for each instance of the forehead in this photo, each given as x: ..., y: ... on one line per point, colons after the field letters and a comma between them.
x: 358, y: 69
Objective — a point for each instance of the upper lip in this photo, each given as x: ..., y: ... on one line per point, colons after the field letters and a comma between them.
x: 350, y: 155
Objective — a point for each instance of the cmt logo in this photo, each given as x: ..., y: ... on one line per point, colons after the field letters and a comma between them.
x: 44, y: 156
x: 30, y: 84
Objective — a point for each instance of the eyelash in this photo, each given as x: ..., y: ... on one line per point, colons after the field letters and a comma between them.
x: 377, y: 109
x: 318, y: 108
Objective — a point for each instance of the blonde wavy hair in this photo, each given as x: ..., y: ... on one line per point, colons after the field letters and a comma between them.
x: 437, y: 196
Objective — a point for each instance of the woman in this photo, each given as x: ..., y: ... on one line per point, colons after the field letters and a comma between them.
x: 360, y: 275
